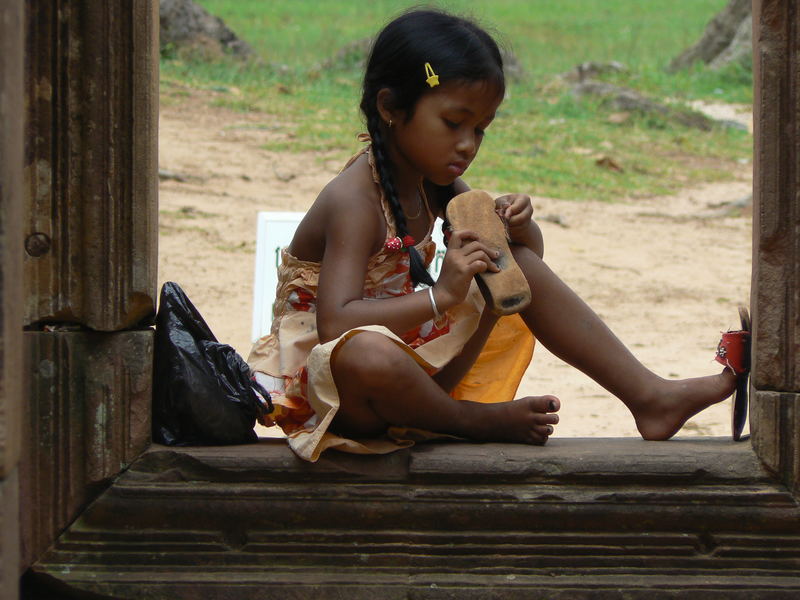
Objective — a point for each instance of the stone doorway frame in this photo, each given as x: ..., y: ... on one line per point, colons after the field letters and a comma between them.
x: 775, y: 283
x: 775, y: 409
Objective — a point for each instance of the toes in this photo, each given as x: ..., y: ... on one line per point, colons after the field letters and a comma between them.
x: 541, y: 433
x: 545, y: 404
x: 545, y: 418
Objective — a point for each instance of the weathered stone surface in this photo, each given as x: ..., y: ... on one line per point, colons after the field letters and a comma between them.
x: 9, y: 535
x: 776, y: 421
x: 91, y: 214
x: 776, y: 218
x: 11, y: 146
x: 452, y: 520
x: 776, y: 231
x: 87, y: 417
x: 364, y: 582
x: 11, y: 160
x: 577, y: 517
x: 184, y: 22
x: 626, y: 99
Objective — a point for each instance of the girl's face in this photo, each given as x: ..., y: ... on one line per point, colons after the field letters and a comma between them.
x: 443, y: 136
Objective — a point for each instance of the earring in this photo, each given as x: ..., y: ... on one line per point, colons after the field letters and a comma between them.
x: 390, y: 123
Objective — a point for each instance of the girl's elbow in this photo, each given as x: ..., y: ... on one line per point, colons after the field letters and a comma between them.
x: 326, y: 332
x: 333, y: 322
x: 329, y: 328
x: 536, y: 239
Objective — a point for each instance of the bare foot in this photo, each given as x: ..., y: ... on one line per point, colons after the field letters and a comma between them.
x: 528, y: 420
x: 674, y: 402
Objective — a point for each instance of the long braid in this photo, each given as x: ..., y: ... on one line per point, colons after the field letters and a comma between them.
x: 399, y: 60
x: 419, y: 274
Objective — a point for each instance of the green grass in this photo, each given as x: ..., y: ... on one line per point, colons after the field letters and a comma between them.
x: 543, y: 142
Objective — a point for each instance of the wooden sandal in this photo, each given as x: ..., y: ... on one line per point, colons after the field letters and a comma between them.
x: 507, y: 291
x: 733, y: 351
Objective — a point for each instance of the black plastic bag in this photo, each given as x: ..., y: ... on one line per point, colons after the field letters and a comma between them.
x: 203, y: 392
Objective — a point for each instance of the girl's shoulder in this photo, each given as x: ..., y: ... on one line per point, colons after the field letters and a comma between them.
x: 348, y: 207
x: 352, y: 188
x: 349, y: 202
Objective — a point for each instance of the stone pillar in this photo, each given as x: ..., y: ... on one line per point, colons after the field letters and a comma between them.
x: 775, y: 409
x: 88, y: 416
x: 11, y: 153
x: 90, y: 210
x: 90, y: 236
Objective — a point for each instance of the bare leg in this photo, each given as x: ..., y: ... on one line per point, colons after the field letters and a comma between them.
x: 573, y: 332
x: 380, y: 385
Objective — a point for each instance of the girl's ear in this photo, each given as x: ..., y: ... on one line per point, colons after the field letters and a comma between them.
x: 385, y: 105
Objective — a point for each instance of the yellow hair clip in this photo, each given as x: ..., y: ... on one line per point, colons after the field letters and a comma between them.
x: 433, y: 78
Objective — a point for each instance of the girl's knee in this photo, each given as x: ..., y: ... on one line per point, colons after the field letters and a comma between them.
x: 524, y: 255
x: 368, y: 356
x: 537, y: 240
x: 530, y: 262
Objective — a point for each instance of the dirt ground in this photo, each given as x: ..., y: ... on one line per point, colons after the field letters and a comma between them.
x: 665, y: 273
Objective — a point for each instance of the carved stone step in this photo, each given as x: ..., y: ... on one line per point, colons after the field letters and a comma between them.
x: 575, y: 519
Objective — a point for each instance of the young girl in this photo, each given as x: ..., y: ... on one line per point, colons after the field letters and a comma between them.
x: 355, y: 351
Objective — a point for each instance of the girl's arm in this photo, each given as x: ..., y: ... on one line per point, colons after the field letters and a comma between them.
x: 352, y: 235
x: 350, y: 240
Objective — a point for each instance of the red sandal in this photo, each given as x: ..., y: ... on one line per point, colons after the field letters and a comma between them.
x: 733, y: 351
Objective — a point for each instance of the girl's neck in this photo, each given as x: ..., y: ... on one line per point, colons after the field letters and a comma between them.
x: 407, y: 180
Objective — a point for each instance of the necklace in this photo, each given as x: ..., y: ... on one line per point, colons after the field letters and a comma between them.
x: 419, y: 209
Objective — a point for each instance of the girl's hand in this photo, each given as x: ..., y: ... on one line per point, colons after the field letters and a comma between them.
x: 516, y: 211
x: 465, y: 257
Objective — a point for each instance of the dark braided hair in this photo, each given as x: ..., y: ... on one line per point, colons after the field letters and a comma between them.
x: 458, y: 50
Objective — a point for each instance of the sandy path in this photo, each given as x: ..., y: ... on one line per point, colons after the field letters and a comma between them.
x: 665, y: 273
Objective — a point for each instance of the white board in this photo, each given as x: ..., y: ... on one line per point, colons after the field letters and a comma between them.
x: 274, y: 232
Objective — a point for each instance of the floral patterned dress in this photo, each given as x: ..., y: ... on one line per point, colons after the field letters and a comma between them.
x: 295, y: 368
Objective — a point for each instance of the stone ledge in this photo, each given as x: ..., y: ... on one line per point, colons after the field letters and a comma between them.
x: 575, y: 519
x: 598, y: 461
x: 430, y: 586
x: 370, y: 584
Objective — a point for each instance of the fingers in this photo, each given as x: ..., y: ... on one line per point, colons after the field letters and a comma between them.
x: 517, y: 212
x: 519, y: 218
x: 502, y: 205
x: 460, y: 237
x: 477, y: 257
x: 515, y: 208
x: 476, y: 246
x: 481, y: 258
x: 466, y: 256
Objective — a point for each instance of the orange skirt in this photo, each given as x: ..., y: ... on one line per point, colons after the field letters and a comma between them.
x: 497, y: 372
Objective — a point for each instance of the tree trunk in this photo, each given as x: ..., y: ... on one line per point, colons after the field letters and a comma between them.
x: 718, y: 36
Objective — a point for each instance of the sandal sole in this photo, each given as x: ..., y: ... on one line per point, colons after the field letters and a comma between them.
x: 506, y: 292
x: 740, y: 396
